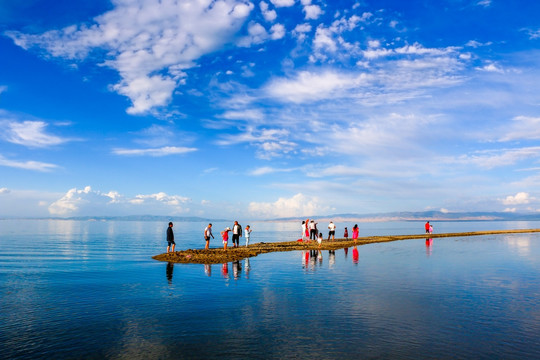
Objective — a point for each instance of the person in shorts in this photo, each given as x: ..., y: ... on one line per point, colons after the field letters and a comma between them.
x: 170, y: 238
x: 207, y: 235
x: 225, y: 237
x: 331, y: 231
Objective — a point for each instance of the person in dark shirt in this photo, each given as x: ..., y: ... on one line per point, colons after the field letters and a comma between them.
x: 170, y: 238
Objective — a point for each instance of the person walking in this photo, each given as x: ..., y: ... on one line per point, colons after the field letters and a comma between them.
x: 248, y: 234
x: 170, y: 238
x: 207, y: 235
x: 426, y: 226
x: 331, y: 230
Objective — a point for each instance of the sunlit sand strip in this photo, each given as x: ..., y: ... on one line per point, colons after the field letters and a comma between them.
x: 219, y: 256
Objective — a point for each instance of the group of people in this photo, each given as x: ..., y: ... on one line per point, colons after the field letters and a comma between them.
x: 310, y: 231
x: 236, y: 235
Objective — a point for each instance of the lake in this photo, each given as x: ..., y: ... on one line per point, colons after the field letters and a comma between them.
x: 90, y: 289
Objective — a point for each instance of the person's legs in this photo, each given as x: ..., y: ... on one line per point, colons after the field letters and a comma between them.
x: 207, y: 244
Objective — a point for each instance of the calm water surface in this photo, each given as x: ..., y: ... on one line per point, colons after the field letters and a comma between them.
x: 72, y: 289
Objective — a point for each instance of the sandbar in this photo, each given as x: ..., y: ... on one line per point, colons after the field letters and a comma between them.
x: 219, y: 256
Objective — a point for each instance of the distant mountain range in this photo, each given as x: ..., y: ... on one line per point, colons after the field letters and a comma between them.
x: 392, y: 216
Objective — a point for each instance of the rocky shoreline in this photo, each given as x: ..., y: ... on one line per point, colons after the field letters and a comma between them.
x: 219, y: 256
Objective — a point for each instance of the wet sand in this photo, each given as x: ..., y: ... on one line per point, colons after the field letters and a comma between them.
x: 219, y: 256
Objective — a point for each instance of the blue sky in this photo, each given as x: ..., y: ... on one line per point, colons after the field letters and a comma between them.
x: 276, y: 108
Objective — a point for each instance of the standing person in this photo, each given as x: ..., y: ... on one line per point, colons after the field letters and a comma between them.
x: 319, y: 239
x: 427, y: 227
x: 430, y: 229
x: 225, y: 237
x: 346, y: 234
x: 207, y: 235
x: 355, y: 232
x: 170, y: 238
x: 312, y: 230
x: 236, y: 234
x: 306, y: 229
x: 331, y: 230
x: 248, y: 234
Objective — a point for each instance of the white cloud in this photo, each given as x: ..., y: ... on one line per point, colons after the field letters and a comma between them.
x: 312, y: 12
x: 491, y: 67
x: 270, y: 143
x: 489, y: 159
x: 298, y: 205
x: 311, y: 86
x: 518, y: 199
x: 277, y: 31
x: 257, y: 34
x: 163, y: 151
x: 282, y: 3
x: 29, y: 133
x: 88, y: 202
x: 521, y: 128
x: 269, y: 15
x: 27, y: 165
x: 268, y: 170
x: 4, y: 191
x: 484, y: 3
x: 144, y: 38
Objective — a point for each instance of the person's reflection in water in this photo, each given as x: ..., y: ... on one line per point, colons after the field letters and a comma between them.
x: 208, y: 269
x: 331, y: 258
x: 355, y: 255
x: 346, y: 252
x: 169, y: 271
x: 225, y: 270
x: 236, y: 269
x: 247, y: 267
x: 319, y: 256
x: 313, y: 258
x: 429, y: 242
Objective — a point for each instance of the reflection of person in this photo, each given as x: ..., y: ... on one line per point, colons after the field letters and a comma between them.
x: 170, y: 238
x: 427, y: 227
x: 355, y: 255
x: 331, y: 231
x: 208, y: 269
x: 225, y: 237
x: 355, y: 232
x: 207, y: 235
x: 225, y: 270
x: 169, y: 271
x: 331, y: 258
x: 346, y: 234
x: 236, y: 269
x: 247, y: 266
x: 247, y: 231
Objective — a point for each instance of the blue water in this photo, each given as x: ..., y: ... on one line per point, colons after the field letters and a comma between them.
x: 73, y: 289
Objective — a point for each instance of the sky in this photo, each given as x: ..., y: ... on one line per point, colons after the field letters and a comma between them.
x: 268, y: 109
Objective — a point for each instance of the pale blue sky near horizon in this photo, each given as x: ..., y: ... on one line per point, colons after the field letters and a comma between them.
x: 268, y: 109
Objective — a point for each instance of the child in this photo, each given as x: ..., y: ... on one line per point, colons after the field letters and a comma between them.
x: 319, y: 239
x: 346, y: 234
x: 431, y: 229
x: 247, y: 232
x: 225, y: 236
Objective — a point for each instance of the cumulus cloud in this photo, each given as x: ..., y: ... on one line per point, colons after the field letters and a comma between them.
x: 88, y: 202
x: 312, y: 12
x: 4, y: 191
x: 27, y: 165
x: 518, y: 199
x: 148, y: 42
x: 269, y: 15
x: 29, y: 133
x: 163, y: 151
x: 282, y: 3
x: 298, y: 205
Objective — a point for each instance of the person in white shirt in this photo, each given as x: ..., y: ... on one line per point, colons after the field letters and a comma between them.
x: 207, y: 235
x: 331, y: 231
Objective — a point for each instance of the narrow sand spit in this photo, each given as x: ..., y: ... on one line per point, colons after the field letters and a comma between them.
x: 219, y: 256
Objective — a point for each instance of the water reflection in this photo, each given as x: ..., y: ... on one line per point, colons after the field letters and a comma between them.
x: 355, y: 255
x: 169, y: 272
x: 429, y: 243
x: 208, y: 269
